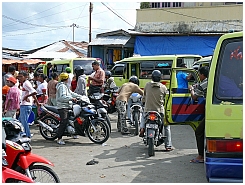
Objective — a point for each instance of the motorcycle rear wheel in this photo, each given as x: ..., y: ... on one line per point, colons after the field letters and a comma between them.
x: 136, y: 122
x: 46, y: 133
x: 151, y: 151
x: 43, y: 174
x: 102, y: 134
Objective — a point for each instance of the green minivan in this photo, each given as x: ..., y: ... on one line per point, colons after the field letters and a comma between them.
x: 222, y: 109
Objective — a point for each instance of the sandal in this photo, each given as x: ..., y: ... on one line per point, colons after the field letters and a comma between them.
x: 197, y: 161
x: 169, y: 149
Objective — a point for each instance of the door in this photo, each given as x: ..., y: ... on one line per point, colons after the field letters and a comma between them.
x: 179, y: 106
x: 119, y: 73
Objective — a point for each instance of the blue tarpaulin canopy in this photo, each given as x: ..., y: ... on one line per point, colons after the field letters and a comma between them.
x: 171, y: 45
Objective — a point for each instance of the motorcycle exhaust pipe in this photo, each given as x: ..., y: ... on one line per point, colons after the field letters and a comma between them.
x: 44, y: 125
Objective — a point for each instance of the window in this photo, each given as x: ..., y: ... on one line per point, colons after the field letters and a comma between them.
x: 59, y: 68
x: 118, y: 70
x: 147, y: 67
x: 155, y: 5
x: 176, y: 4
x: 229, y: 80
x: 85, y: 64
x: 165, y: 4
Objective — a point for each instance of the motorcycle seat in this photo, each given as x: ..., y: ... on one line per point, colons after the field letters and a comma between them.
x: 52, y: 108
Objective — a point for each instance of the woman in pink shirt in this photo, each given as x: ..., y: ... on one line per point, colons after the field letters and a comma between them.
x: 12, y: 103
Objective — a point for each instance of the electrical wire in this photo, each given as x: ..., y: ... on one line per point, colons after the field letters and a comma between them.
x: 117, y: 15
x: 198, y: 17
x: 10, y: 24
x: 16, y: 20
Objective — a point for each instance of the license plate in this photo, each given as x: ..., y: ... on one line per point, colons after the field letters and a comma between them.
x: 155, y: 126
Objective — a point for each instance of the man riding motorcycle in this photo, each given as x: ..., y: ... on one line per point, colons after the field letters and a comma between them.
x: 121, y: 102
x: 109, y: 83
x: 63, y: 96
x: 153, y: 98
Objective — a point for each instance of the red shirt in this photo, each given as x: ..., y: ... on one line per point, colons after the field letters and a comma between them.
x: 73, y: 85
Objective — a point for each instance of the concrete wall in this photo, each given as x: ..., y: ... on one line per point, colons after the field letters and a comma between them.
x: 190, y: 19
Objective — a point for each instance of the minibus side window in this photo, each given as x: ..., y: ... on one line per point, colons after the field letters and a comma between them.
x: 165, y: 68
x: 229, y: 71
x: 146, y: 69
x: 118, y: 70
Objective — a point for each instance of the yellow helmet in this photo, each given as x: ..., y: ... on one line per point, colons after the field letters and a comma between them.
x: 64, y: 76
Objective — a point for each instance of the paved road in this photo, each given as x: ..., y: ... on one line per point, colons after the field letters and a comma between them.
x: 123, y: 159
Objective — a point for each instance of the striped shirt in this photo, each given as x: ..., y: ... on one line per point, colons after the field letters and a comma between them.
x: 200, y: 90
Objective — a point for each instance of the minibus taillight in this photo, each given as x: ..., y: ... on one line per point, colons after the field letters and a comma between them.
x: 224, y: 145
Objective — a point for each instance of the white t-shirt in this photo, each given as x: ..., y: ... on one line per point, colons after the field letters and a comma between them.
x: 69, y: 80
x: 41, y: 86
x: 26, y: 90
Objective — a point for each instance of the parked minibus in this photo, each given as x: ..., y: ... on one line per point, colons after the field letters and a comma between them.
x: 60, y: 65
x: 222, y: 109
x: 143, y: 66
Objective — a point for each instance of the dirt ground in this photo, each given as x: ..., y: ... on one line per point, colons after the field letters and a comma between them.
x: 122, y: 159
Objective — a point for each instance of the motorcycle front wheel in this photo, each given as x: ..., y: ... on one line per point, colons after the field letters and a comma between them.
x: 107, y: 119
x: 45, y: 132
x: 100, y: 133
x: 43, y: 174
x: 136, y: 122
x: 151, y: 151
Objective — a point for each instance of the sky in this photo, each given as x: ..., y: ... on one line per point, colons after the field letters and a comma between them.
x: 30, y: 25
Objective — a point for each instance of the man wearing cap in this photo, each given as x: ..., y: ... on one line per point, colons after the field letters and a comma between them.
x: 12, y: 103
x: 97, y: 79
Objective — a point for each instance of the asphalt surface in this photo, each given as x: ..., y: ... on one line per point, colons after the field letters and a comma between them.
x: 123, y: 158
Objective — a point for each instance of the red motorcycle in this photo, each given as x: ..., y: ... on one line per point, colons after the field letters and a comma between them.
x: 11, y: 176
x: 21, y: 159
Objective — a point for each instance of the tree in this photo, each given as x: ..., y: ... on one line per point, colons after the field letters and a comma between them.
x: 144, y: 5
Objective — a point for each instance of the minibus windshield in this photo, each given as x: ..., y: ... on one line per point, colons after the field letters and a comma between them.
x: 85, y: 64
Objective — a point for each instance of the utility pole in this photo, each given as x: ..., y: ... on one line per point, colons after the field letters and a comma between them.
x: 73, y: 25
x: 90, y: 13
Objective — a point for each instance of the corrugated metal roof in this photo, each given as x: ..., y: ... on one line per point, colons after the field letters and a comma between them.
x: 62, y: 49
x: 110, y: 40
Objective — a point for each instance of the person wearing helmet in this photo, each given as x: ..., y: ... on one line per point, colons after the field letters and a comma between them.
x: 121, y: 102
x: 109, y: 81
x: 68, y: 70
x: 81, y: 81
x: 153, y: 98
x: 63, y: 96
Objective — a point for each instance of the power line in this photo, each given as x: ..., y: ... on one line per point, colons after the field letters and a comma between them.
x: 197, y: 17
x: 51, y: 14
x: 10, y: 24
x: 16, y: 20
x: 117, y: 15
x: 31, y: 32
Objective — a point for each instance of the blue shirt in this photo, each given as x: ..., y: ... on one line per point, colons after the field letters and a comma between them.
x: 181, y: 80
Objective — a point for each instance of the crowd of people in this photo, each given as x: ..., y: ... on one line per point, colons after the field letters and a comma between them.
x: 22, y: 90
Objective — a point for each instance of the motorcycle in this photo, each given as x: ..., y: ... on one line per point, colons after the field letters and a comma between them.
x: 9, y: 175
x: 152, y: 136
x: 100, y: 106
x: 82, y: 118
x: 110, y: 98
x: 19, y: 155
x: 136, y: 111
